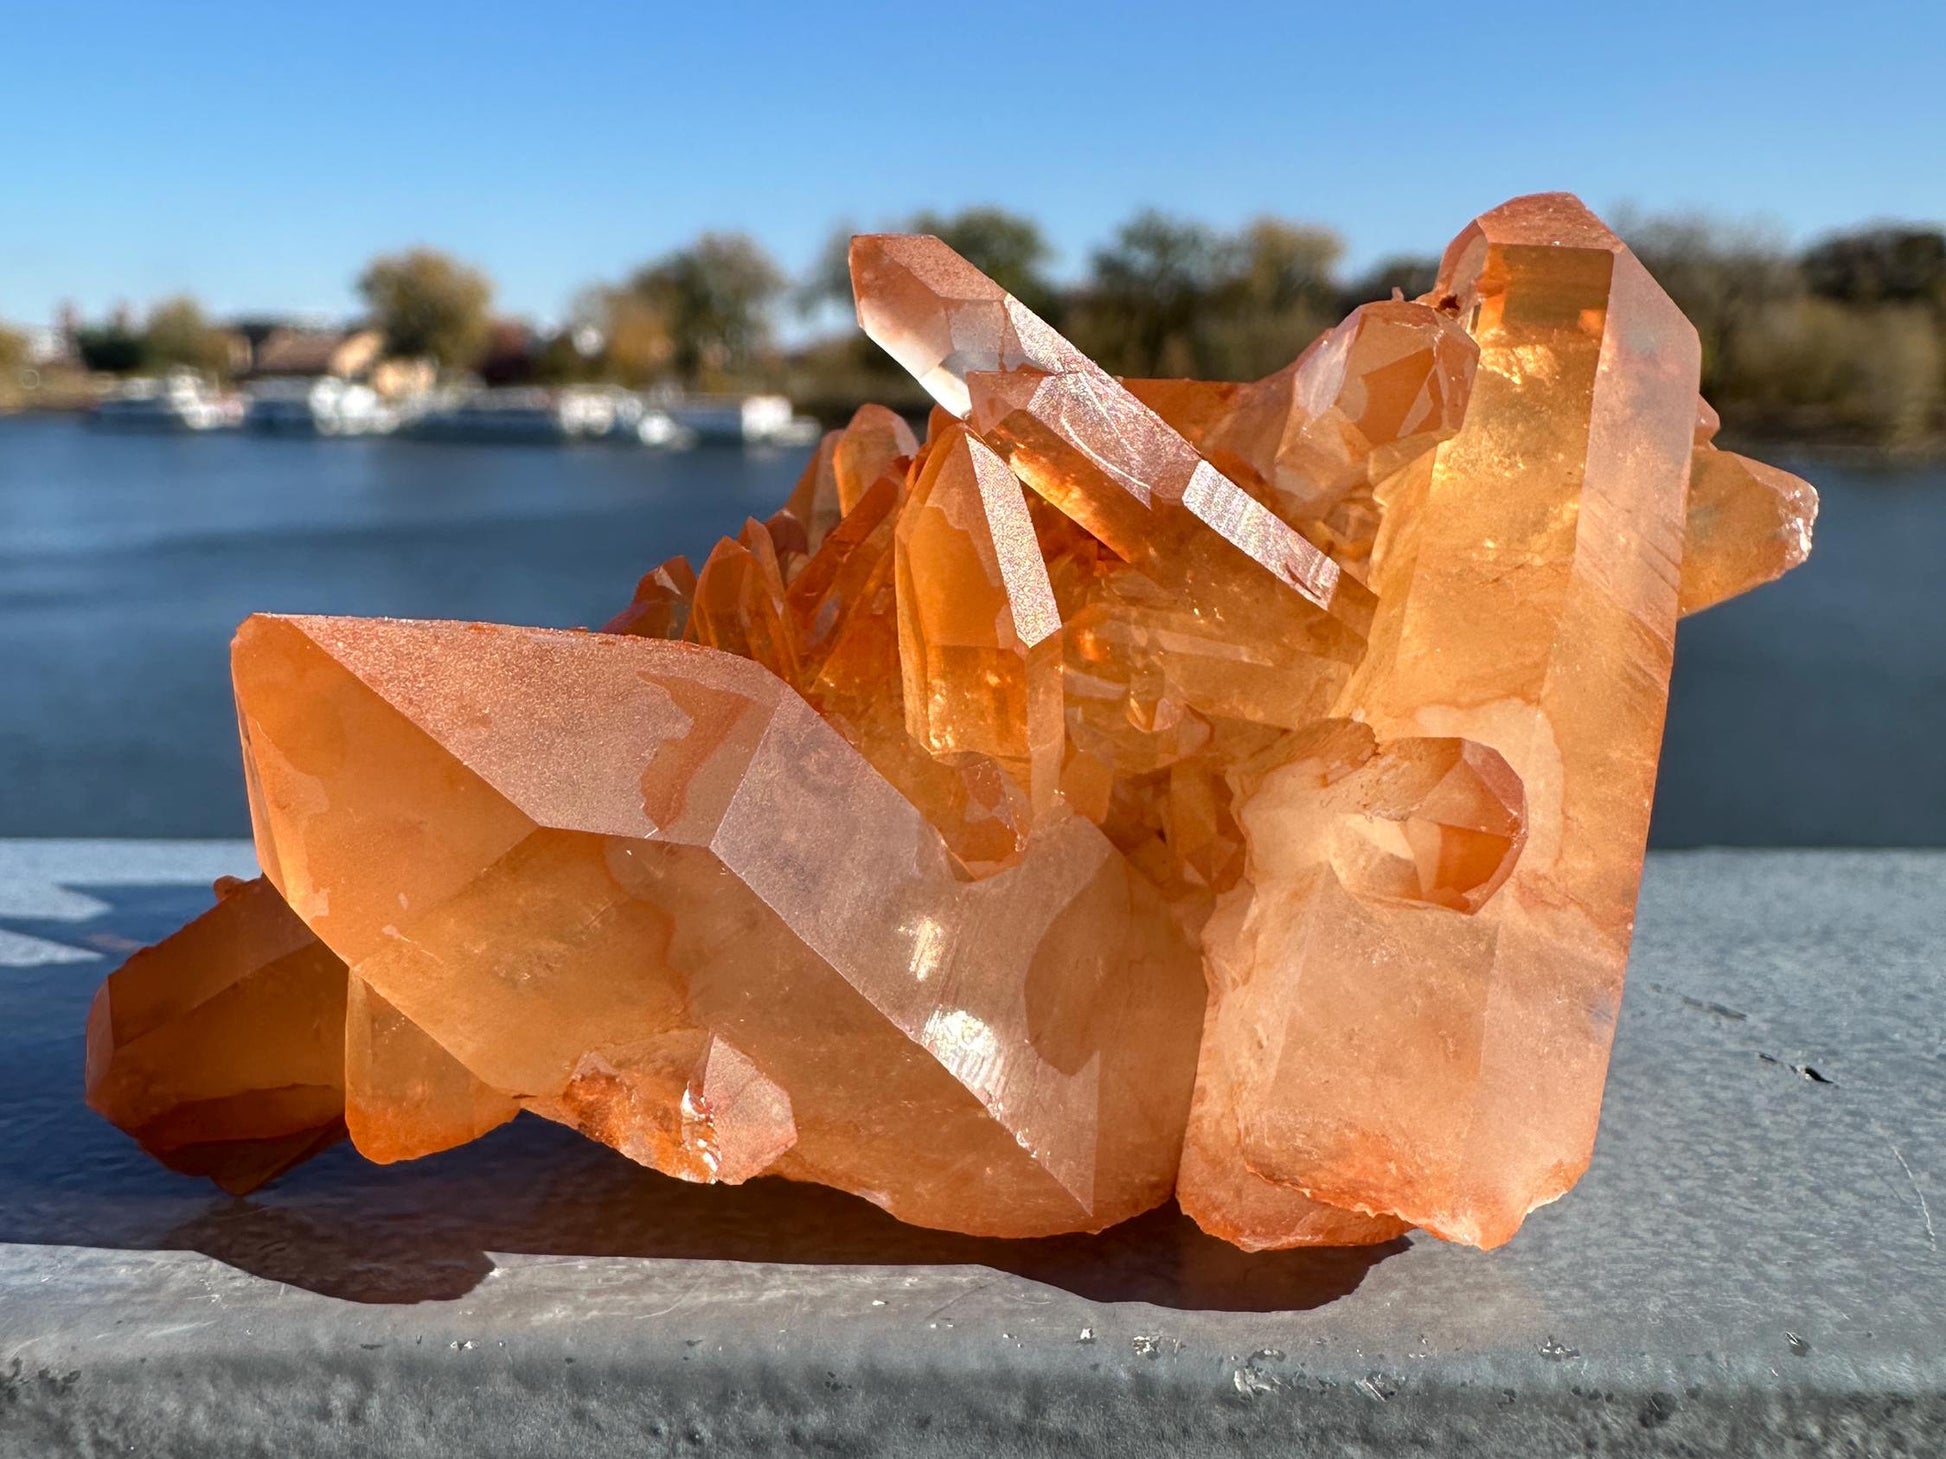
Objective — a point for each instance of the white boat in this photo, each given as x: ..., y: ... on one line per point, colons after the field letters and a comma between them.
x: 658, y: 430
x: 576, y: 413
x: 181, y: 401
x: 740, y: 420
x: 610, y: 413
x: 323, y: 406
x: 507, y: 416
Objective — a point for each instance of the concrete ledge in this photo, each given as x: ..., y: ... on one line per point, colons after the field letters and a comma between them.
x: 1752, y: 1265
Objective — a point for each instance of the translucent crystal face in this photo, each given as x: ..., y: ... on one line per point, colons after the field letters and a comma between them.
x: 737, y: 884
x: 1236, y: 790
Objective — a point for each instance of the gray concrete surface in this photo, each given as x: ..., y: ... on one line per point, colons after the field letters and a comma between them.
x: 1752, y: 1265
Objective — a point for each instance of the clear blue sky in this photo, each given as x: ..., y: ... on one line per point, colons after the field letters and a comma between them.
x: 257, y: 153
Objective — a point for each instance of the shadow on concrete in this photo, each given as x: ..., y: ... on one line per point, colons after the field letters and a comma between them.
x: 419, y: 1232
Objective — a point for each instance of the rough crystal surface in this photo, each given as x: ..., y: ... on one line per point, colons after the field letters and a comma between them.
x: 1233, y: 789
x: 645, y: 890
x: 1747, y: 525
x: 1256, y: 605
x: 1528, y: 587
x: 1385, y: 386
x: 979, y: 633
x: 221, y: 1048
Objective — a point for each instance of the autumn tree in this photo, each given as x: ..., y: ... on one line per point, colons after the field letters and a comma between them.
x: 1147, y: 290
x: 710, y: 303
x: 1168, y: 296
x: 1275, y: 291
x: 1843, y: 342
x: 114, y: 347
x: 1727, y: 279
x: 1891, y: 264
x: 178, y: 335
x: 637, y: 346
x: 430, y: 306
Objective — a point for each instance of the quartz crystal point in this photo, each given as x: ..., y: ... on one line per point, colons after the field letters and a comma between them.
x: 876, y: 443
x: 1748, y: 523
x: 642, y: 888
x: 660, y: 607
x: 814, y: 500
x: 739, y: 602
x: 405, y: 1096
x: 843, y: 610
x: 979, y: 634
x: 1256, y: 601
x: 1386, y: 385
x: 221, y: 1049
x: 848, y: 463
x: 1440, y: 1058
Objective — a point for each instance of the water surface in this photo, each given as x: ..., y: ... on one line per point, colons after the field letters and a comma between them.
x: 1809, y: 713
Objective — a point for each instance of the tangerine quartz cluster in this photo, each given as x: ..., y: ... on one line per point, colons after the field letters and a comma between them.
x: 1133, y: 788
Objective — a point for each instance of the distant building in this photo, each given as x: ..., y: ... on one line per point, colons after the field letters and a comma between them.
x: 403, y: 379
x: 56, y: 346
x: 512, y: 354
x: 46, y: 346
x: 284, y: 351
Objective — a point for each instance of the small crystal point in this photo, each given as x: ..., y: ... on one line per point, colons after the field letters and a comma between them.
x: 979, y: 632
x: 221, y: 1048
x: 1747, y: 524
x: 405, y: 1096
x: 660, y: 607
x: 876, y: 443
x: 1384, y: 386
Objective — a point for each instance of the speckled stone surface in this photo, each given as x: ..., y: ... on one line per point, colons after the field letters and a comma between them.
x: 1751, y: 1266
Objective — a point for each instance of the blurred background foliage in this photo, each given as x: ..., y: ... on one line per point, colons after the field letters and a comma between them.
x: 1840, y: 343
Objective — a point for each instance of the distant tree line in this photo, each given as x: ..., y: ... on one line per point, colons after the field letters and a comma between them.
x: 1841, y: 342
x: 174, y: 334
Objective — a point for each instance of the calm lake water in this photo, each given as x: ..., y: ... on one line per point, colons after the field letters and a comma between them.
x: 1810, y: 713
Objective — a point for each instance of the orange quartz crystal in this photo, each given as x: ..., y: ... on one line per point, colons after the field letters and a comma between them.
x: 1748, y: 523
x: 1528, y: 586
x: 979, y: 633
x: 604, y: 875
x: 1127, y: 787
x: 221, y: 1049
x: 1316, y: 438
x: 848, y: 463
x: 1259, y: 623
